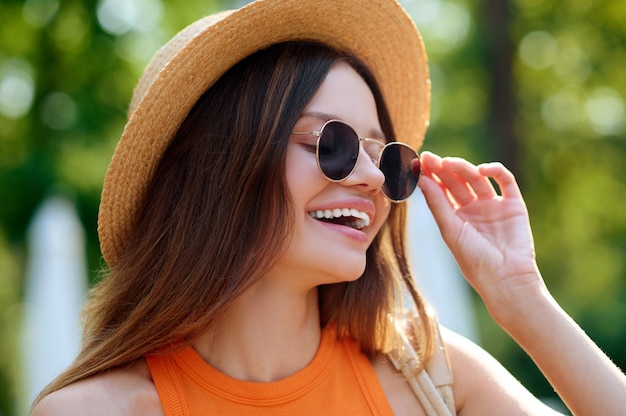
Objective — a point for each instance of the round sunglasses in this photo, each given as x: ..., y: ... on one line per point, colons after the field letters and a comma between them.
x: 337, y: 151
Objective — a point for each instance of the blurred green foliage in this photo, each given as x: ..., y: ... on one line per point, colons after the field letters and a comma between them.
x: 536, y: 84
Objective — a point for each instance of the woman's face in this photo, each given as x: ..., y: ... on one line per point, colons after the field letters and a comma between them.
x: 331, y: 251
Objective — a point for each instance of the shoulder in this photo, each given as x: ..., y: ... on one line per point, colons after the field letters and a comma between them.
x: 125, y: 392
x: 482, y: 385
x: 397, y: 391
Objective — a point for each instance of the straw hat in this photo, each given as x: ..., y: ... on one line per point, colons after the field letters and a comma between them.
x: 379, y: 32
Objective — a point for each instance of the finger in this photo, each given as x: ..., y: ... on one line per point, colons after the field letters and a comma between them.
x: 429, y: 162
x: 456, y: 189
x: 503, y: 177
x: 456, y: 186
x: 476, y: 181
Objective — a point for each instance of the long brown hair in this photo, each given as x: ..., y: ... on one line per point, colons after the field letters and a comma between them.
x: 217, y: 216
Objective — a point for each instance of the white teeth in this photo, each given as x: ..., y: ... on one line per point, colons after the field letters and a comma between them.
x: 362, y: 220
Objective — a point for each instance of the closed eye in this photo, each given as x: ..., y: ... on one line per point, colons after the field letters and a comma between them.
x: 309, y: 147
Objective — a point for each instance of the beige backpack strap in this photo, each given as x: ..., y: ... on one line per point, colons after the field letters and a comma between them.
x: 433, y: 385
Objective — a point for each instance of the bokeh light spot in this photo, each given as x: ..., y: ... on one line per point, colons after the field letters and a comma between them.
x: 17, y: 88
x: 59, y: 111
x: 605, y: 109
x: 39, y: 12
x: 538, y: 49
x: 118, y: 17
x: 572, y: 64
x: 445, y: 25
x: 562, y: 110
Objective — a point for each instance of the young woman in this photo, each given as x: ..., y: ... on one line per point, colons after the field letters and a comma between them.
x: 252, y: 220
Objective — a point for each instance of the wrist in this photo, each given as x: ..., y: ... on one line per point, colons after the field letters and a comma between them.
x: 517, y: 306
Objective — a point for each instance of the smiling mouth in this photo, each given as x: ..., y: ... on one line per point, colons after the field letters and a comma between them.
x: 349, y: 217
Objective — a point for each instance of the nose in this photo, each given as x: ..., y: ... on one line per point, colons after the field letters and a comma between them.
x: 366, y: 175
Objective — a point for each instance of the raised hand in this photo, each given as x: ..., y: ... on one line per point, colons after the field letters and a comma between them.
x: 490, y: 237
x: 488, y: 233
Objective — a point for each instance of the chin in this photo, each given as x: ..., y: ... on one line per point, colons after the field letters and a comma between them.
x: 346, y: 275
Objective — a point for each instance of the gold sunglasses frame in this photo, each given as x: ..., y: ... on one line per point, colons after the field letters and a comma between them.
x: 381, y: 149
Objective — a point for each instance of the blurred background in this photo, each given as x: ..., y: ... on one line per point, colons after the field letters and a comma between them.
x: 536, y: 84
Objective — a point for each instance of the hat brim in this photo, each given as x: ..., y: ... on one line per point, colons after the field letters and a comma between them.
x: 378, y: 32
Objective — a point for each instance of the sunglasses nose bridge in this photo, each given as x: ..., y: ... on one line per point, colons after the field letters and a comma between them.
x: 366, y: 171
x: 372, y: 148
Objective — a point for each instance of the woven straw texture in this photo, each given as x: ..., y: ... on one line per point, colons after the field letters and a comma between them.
x: 379, y: 32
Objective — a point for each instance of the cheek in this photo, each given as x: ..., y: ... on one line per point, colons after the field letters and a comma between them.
x: 302, y: 175
x: 383, y: 207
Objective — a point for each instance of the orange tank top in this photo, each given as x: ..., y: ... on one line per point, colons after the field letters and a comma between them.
x: 339, y: 381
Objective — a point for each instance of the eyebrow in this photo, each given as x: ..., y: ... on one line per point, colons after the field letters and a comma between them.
x: 324, y: 117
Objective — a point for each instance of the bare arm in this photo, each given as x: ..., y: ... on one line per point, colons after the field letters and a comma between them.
x: 490, y: 237
x: 482, y: 386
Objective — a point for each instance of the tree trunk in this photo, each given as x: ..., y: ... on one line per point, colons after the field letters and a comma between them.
x: 499, y: 54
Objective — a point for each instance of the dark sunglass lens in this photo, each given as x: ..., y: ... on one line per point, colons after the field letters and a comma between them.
x: 338, y: 150
x: 401, y: 167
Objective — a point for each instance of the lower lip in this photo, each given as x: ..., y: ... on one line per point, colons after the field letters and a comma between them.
x: 351, y: 233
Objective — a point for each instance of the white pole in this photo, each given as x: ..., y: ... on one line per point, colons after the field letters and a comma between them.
x: 55, y: 286
x: 438, y: 276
